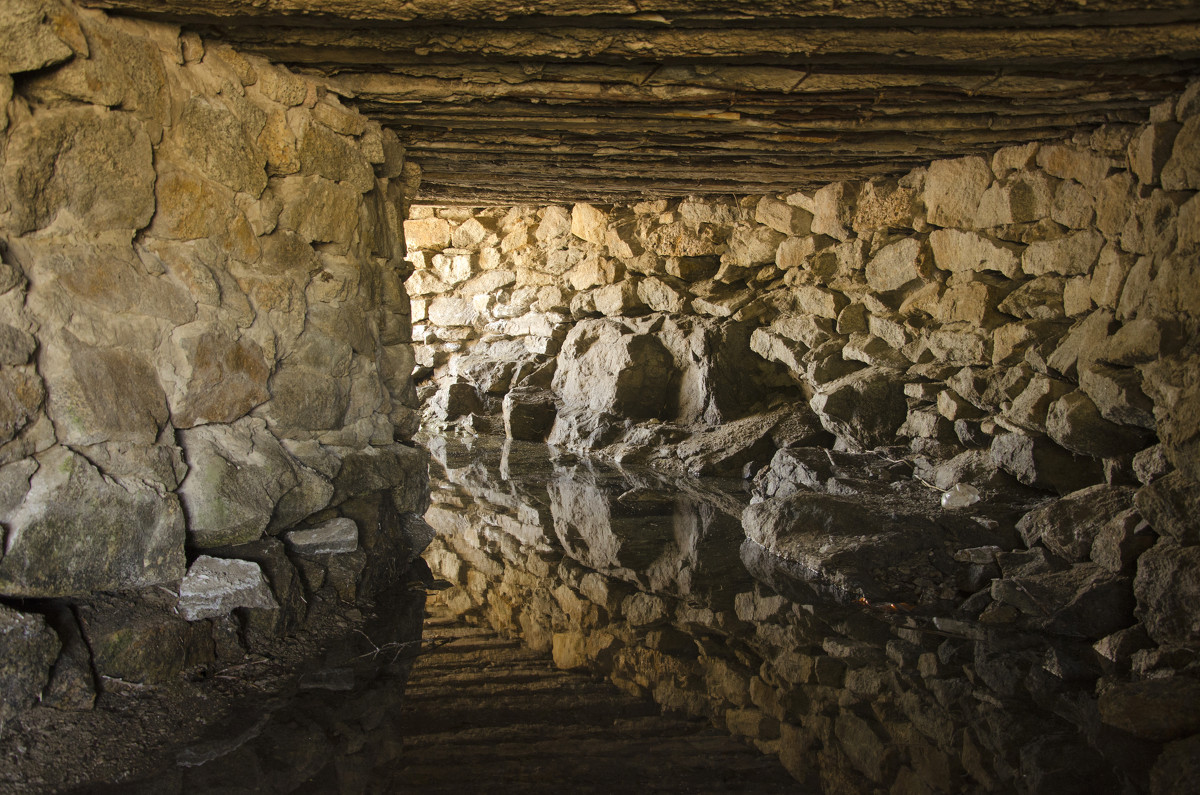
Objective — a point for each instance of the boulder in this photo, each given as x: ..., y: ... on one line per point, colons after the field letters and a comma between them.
x: 609, y: 370
x: 1160, y: 709
x: 28, y: 648
x: 1117, y: 394
x: 1068, y: 526
x: 1171, y: 504
x: 897, y: 264
x: 1036, y: 461
x: 78, y: 530
x: 1167, y: 587
x: 1086, y: 600
x: 237, y: 475
x: 529, y: 414
x: 726, y: 448
x: 214, y: 588
x: 1075, y: 423
x: 865, y: 408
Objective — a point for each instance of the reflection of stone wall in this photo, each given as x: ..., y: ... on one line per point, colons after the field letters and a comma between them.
x: 204, y: 332
x: 1040, y: 303
x: 622, y: 573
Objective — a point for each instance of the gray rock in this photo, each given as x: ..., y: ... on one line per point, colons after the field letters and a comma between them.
x: 1085, y: 600
x: 96, y: 165
x: 1075, y: 423
x: 1167, y: 587
x: 330, y: 538
x: 78, y: 530
x: 1171, y: 504
x: 1068, y: 526
x: 1155, y: 709
x: 866, y: 408
x: 237, y: 475
x: 726, y: 448
x: 28, y: 648
x: 1036, y: 461
x: 529, y: 414
x: 141, y: 638
x: 606, y: 369
x: 214, y: 587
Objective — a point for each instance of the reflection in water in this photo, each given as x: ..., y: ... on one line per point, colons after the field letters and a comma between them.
x: 653, y: 583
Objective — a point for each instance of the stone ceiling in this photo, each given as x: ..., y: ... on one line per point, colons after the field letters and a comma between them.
x: 610, y: 100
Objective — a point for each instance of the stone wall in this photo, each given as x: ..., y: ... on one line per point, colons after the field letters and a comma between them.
x: 204, y: 331
x: 1039, y: 305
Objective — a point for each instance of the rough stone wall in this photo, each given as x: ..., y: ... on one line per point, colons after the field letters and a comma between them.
x: 204, y: 332
x: 1041, y: 304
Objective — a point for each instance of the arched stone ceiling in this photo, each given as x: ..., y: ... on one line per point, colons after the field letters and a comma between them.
x: 610, y: 100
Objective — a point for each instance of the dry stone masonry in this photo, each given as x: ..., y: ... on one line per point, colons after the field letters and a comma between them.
x: 204, y: 341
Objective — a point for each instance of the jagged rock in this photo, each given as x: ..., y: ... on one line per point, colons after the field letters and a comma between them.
x: 529, y: 414
x: 78, y: 530
x: 1182, y: 169
x: 329, y: 538
x: 782, y: 217
x: 1074, y: 422
x: 953, y: 190
x: 214, y: 587
x: 1118, y: 395
x: 866, y: 407
x: 1070, y: 525
x: 1167, y: 586
x: 727, y: 448
x: 237, y: 475
x: 1085, y: 600
x: 1171, y: 505
x: 896, y: 265
x: 1177, y: 769
x: 1156, y: 709
x: 1038, y: 462
x: 28, y: 648
x: 958, y: 251
x: 608, y: 370
x: 1067, y: 256
x: 1023, y: 198
x: 141, y: 638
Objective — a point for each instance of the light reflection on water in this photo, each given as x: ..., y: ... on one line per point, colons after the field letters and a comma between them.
x: 651, y: 581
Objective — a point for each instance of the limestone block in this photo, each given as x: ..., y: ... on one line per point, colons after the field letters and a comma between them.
x: 21, y: 398
x: 960, y: 344
x: 1150, y: 150
x: 529, y: 414
x: 1074, y: 422
x: 1077, y: 296
x: 833, y: 210
x: 622, y: 242
x: 1014, y: 158
x: 28, y: 40
x: 1029, y: 408
x: 1171, y: 504
x: 555, y: 224
x: 619, y: 299
x: 28, y: 649
x: 775, y: 347
x: 237, y: 475
x: 819, y: 301
x: 1083, y: 344
x: 78, y: 530
x: 611, y: 372
x: 97, y: 165
x: 1036, y: 461
x: 1074, y: 205
x: 212, y: 140
x: 215, y: 376
x: 1166, y: 586
x: 595, y: 271
x: 884, y: 204
x: 971, y: 302
x: 897, y: 264
x: 327, y: 154
x: 1069, y: 526
x: 865, y: 408
x: 319, y: 209
x: 445, y: 311
x: 782, y: 217
x: 589, y: 223
x: 1118, y: 395
x: 470, y: 234
x: 954, y: 189
x: 661, y: 296
x: 1072, y: 255
x: 1113, y: 198
x: 752, y: 245
x: 1068, y: 162
x: 330, y: 112
x: 427, y: 233
x: 957, y: 251
x: 402, y: 470
x: 280, y: 85
x: 328, y: 538
x: 1037, y: 299
x: 1024, y: 198
x: 453, y: 266
x: 1182, y: 169
x: 1174, y: 385
x: 214, y: 587
x: 692, y: 269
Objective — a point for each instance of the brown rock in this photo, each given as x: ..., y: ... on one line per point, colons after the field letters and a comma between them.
x: 27, y: 37
x: 1069, y: 526
x: 1155, y: 709
x: 953, y: 190
x: 1167, y: 586
x: 1182, y: 169
x: 1074, y: 422
x: 212, y: 139
x: 327, y: 154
